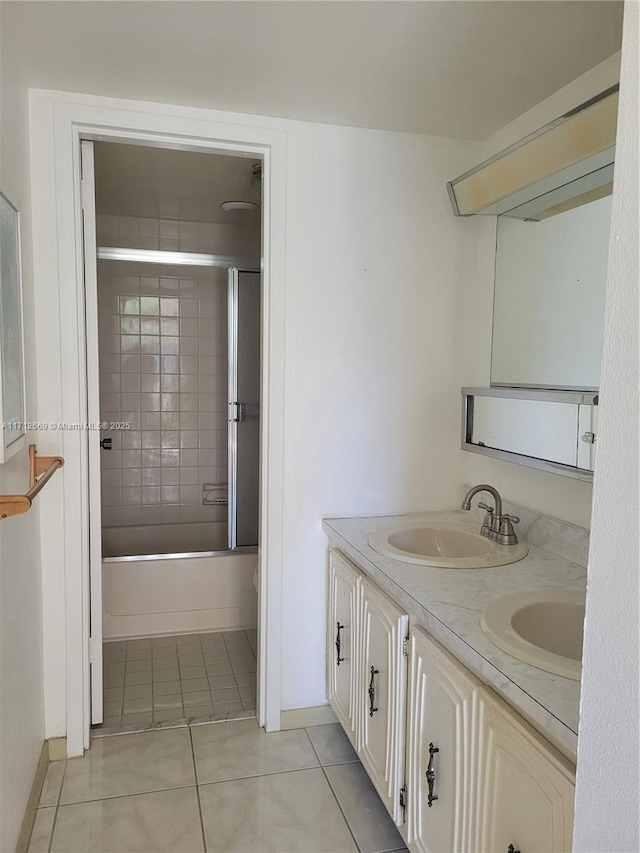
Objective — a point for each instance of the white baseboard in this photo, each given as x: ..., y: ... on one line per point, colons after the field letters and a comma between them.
x: 300, y: 718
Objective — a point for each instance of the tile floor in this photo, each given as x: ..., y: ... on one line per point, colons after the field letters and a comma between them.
x: 222, y: 787
x: 165, y: 679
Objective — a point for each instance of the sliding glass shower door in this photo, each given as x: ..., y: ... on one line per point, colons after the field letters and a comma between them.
x: 244, y: 407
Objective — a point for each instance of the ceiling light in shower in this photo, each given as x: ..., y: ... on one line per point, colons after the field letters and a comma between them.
x: 238, y: 205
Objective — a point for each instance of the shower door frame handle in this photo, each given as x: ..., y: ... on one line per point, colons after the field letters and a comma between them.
x: 232, y: 317
x: 241, y: 412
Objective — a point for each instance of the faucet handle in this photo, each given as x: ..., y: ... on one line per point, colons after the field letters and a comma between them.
x: 506, y: 533
x: 513, y: 518
x: 489, y: 520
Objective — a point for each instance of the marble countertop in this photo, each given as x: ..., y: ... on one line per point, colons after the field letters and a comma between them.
x: 448, y: 602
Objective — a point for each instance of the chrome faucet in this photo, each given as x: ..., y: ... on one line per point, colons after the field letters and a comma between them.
x: 497, y: 525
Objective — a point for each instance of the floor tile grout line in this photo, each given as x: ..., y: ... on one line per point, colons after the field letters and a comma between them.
x: 335, y: 797
x: 390, y: 850
x: 355, y: 760
x: 55, y: 814
x: 260, y: 775
x: 130, y: 794
x: 313, y: 749
x: 195, y: 773
x: 53, y: 829
x: 342, y: 811
x: 64, y: 774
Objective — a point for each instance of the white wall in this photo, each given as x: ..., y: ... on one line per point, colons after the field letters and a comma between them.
x: 21, y: 688
x: 376, y: 264
x: 552, y: 494
x: 608, y: 793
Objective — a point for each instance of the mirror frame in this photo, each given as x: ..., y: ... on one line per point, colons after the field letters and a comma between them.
x: 572, y: 397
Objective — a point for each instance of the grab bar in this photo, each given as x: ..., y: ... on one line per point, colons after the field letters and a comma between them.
x: 41, y: 470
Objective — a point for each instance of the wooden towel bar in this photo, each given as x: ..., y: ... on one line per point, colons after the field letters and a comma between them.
x: 41, y: 470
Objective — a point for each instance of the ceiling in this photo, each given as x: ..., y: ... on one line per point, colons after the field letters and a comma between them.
x: 134, y: 180
x: 457, y: 68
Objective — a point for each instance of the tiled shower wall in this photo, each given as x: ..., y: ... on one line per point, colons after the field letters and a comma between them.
x: 174, y: 235
x: 163, y: 370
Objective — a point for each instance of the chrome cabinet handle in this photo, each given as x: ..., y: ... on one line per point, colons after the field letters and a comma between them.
x: 431, y: 775
x: 512, y: 849
x: 372, y: 692
x: 338, y: 658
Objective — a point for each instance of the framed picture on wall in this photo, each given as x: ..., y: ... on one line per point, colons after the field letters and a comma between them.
x: 12, y: 398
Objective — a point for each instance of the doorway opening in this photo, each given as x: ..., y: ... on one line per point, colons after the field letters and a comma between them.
x: 174, y: 522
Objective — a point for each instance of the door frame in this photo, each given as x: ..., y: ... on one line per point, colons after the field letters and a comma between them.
x: 58, y: 123
x: 94, y: 473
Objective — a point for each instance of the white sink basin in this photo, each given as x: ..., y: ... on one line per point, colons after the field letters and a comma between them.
x: 542, y: 627
x: 446, y: 545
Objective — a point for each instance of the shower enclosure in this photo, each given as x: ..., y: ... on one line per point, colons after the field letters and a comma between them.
x: 201, y: 444
x: 175, y: 455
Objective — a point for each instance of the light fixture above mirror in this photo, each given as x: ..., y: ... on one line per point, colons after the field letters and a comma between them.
x: 573, y: 147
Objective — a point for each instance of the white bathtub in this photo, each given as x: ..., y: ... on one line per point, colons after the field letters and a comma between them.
x: 175, y: 595
x: 139, y: 539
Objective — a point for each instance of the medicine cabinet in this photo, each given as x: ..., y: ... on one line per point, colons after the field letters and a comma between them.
x: 553, y: 431
x: 551, y: 196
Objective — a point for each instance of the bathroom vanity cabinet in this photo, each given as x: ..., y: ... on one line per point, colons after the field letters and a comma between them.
x: 367, y: 675
x: 458, y: 770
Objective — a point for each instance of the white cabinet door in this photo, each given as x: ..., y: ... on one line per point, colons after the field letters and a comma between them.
x: 443, y: 698
x: 526, y: 789
x: 381, y: 686
x: 343, y: 641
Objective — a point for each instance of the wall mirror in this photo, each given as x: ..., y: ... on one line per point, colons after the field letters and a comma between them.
x: 550, y: 275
